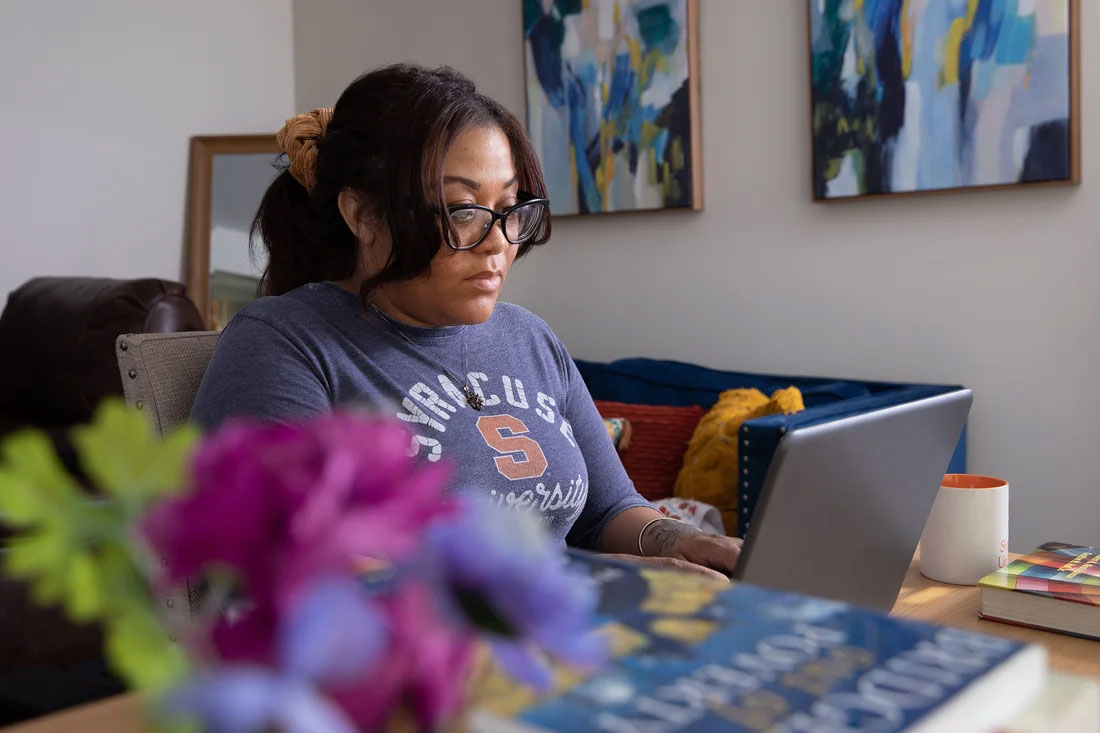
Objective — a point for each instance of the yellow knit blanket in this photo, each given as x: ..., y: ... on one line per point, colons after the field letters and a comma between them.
x: 710, y: 471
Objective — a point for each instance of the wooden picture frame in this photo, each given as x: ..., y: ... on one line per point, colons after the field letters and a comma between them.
x: 200, y: 187
x: 693, y: 201
x: 1073, y: 137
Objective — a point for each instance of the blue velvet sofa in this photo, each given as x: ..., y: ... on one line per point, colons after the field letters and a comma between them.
x: 657, y: 382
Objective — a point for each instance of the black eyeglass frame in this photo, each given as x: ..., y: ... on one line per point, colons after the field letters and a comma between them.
x: 529, y: 200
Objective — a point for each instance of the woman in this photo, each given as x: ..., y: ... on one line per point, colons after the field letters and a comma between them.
x: 389, y: 236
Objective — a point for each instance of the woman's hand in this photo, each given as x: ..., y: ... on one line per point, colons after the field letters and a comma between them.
x: 669, y: 543
x: 678, y: 540
x: 672, y: 563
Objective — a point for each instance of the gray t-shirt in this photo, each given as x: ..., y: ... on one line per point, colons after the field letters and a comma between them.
x: 538, y: 446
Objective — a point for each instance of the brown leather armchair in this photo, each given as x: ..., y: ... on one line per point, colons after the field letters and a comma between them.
x: 57, y: 338
x: 57, y: 361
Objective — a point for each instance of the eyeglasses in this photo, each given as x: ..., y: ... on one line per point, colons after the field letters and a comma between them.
x: 519, y: 223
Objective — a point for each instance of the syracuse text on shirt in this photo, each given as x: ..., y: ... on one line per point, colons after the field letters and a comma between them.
x: 519, y: 457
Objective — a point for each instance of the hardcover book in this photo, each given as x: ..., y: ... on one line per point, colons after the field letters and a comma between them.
x: 1054, y: 587
x: 691, y: 655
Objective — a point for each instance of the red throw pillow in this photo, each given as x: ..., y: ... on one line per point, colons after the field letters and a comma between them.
x: 659, y: 439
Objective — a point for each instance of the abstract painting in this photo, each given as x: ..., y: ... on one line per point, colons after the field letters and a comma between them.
x: 925, y: 95
x: 612, y: 103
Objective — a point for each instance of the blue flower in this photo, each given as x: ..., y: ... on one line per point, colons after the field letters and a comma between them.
x: 245, y: 699
x: 505, y: 577
x: 333, y: 634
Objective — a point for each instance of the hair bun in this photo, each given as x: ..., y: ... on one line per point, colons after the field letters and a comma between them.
x: 298, y: 139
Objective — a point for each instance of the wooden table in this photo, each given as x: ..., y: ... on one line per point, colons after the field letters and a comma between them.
x: 920, y: 598
x: 957, y: 605
x: 119, y: 714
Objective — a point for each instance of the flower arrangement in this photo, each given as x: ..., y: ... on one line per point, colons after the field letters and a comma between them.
x: 343, y: 588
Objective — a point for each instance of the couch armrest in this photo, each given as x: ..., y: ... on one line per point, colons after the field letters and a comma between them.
x: 760, y: 439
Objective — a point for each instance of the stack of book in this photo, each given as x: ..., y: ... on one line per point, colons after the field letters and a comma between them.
x: 1055, y: 587
x: 690, y: 655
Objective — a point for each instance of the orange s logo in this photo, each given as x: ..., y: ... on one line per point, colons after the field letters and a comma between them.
x: 533, y: 461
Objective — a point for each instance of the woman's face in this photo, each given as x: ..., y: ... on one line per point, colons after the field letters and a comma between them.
x: 462, y: 287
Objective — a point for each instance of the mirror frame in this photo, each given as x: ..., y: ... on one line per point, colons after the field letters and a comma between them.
x: 199, y: 190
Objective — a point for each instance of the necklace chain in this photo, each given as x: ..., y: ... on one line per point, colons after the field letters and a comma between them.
x: 473, y: 399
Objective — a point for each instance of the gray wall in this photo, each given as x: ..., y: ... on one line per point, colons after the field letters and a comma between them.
x: 100, y: 100
x: 993, y: 290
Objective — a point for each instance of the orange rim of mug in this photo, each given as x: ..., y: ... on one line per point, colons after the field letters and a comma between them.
x: 971, y: 481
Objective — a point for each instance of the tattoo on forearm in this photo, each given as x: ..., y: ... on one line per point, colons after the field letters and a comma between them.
x: 663, y: 536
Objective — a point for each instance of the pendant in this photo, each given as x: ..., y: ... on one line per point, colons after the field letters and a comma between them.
x: 473, y: 399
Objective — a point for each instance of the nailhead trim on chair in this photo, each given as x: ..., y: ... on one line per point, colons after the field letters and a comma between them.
x: 163, y: 377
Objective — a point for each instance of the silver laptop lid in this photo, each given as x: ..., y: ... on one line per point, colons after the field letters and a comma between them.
x: 844, y: 503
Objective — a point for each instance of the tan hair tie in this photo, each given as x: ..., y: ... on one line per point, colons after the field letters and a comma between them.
x: 298, y: 139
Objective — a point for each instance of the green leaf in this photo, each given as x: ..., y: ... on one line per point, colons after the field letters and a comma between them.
x: 126, y: 460
x: 42, y: 552
x: 85, y: 593
x: 100, y: 520
x: 169, y: 471
x: 83, y: 554
x: 34, y: 485
x: 122, y: 579
x: 140, y: 651
x: 60, y: 571
x: 47, y: 590
x: 65, y: 570
x: 19, y: 505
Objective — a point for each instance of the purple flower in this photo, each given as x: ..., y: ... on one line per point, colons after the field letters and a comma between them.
x: 293, y: 510
x: 427, y: 661
x: 282, y: 505
x: 504, y: 576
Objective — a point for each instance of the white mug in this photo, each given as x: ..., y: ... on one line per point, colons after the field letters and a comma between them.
x: 966, y: 535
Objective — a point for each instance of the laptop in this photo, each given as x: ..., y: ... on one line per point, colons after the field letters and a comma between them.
x: 844, y: 503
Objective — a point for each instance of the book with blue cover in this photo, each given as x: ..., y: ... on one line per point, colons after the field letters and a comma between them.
x: 692, y: 655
